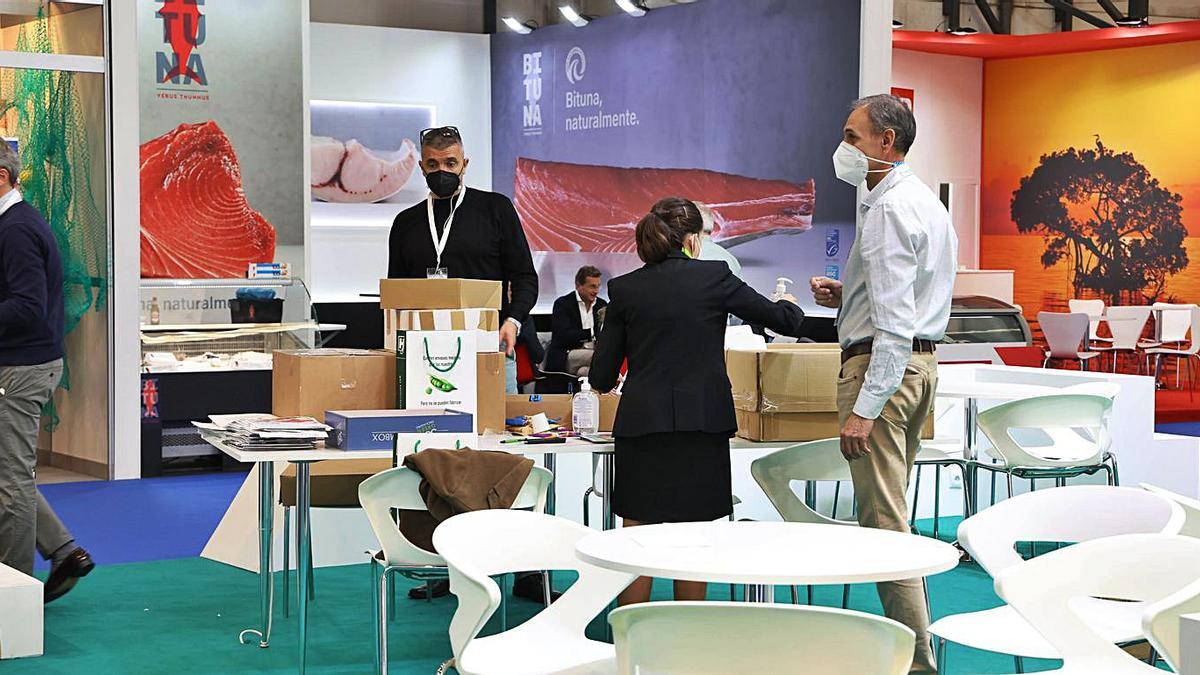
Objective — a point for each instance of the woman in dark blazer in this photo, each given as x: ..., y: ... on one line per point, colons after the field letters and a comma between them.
x: 676, y: 416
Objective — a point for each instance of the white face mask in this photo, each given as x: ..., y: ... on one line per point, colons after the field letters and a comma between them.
x: 850, y: 164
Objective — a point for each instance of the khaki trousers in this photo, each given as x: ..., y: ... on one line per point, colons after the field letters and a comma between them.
x: 881, y: 479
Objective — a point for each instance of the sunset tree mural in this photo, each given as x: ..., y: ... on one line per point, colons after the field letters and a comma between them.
x: 1106, y: 219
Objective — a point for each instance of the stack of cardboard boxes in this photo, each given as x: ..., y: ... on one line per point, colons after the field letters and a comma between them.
x: 788, y: 392
x: 454, y: 304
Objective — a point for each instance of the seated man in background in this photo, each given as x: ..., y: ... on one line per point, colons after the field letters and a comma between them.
x: 574, y: 325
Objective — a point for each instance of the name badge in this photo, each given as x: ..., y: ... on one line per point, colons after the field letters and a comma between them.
x: 437, y: 273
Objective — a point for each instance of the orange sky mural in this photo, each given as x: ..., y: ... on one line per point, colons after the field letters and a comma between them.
x: 1143, y: 100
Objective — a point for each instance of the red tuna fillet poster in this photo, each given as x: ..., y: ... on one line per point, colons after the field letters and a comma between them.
x: 585, y: 208
x: 196, y: 222
x: 221, y: 119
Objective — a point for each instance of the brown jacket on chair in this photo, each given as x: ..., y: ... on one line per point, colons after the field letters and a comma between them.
x: 457, y: 481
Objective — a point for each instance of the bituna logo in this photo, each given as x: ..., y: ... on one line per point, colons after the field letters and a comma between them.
x: 183, y: 33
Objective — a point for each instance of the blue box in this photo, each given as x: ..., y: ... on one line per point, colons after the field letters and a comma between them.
x: 376, y: 429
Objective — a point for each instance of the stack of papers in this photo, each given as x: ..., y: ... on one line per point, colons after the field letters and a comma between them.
x: 256, y: 431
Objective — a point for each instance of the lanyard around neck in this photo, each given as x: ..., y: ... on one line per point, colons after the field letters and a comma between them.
x: 439, y: 244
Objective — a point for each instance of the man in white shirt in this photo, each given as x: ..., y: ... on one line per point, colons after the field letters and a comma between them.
x: 574, y: 325
x: 710, y: 250
x: 894, y: 306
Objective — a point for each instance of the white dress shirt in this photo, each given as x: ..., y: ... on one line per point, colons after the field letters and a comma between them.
x: 7, y: 201
x: 710, y: 250
x: 899, y: 281
x: 585, y: 313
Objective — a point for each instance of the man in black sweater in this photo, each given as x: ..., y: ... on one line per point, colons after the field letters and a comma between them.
x: 464, y: 233
x: 31, y: 352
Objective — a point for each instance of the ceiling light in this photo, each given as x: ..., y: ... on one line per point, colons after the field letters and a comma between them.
x: 1132, y: 22
x: 516, y: 26
x: 632, y: 7
x: 962, y: 30
x: 897, y: 23
x: 571, y: 15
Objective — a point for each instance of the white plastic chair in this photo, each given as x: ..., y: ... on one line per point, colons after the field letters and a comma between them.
x: 1160, y: 622
x: 398, y: 489
x: 1126, y: 325
x: 1192, y: 351
x: 1070, y: 514
x: 1075, y: 424
x: 1191, y: 508
x: 1094, y: 310
x: 718, y: 638
x: 1055, y: 594
x: 1066, y: 335
x: 1174, y: 321
x: 481, y: 544
x: 809, y: 462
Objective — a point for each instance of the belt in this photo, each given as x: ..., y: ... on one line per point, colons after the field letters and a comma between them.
x: 919, y: 346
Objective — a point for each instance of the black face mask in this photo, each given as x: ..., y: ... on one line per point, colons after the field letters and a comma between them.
x: 443, y: 184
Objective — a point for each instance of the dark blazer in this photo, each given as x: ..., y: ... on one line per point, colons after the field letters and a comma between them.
x: 566, y: 330
x: 669, y: 320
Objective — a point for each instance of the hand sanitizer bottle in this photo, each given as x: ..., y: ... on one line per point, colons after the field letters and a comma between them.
x: 780, y: 288
x: 585, y: 410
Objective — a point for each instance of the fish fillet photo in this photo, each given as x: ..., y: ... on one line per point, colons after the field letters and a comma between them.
x: 366, y: 153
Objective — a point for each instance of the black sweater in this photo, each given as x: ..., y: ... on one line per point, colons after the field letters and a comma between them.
x: 486, y: 242
x: 31, y: 289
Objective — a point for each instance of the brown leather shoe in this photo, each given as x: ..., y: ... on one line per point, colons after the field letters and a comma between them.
x: 64, y: 576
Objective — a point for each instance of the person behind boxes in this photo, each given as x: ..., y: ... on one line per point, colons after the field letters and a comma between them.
x: 31, y: 365
x: 894, y: 305
x: 676, y: 415
x: 574, y: 325
x: 464, y: 233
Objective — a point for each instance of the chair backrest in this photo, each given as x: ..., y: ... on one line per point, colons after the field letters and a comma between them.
x: 815, y: 460
x: 398, y: 489
x: 1175, y: 321
x: 1068, y: 514
x: 1191, y: 509
x: 1126, y: 325
x: 711, y: 638
x: 1093, y: 308
x: 1160, y: 622
x: 1053, y: 413
x: 1064, y: 333
x: 480, y: 544
x: 1140, y: 567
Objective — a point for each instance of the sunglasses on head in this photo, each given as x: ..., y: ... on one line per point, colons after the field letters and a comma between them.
x: 434, y: 132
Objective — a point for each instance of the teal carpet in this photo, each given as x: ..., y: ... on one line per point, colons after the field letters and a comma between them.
x: 184, y: 616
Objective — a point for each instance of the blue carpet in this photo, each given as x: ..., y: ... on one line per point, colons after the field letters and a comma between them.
x: 142, y: 520
x: 1179, y: 428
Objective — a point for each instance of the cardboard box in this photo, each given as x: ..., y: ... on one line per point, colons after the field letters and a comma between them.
x: 489, y: 370
x: 309, y: 382
x: 439, y: 294
x: 788, y: 378
x: 788, y: 392
x: 756, y: 426
x: 377, y: 429
x: 558, y: 407
x: 485, y: 321
x: 608, y: 411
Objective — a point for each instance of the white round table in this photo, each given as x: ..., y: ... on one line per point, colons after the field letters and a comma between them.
x: 763, y: 554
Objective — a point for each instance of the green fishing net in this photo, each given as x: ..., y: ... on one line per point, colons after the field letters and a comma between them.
x: 57, y: 177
